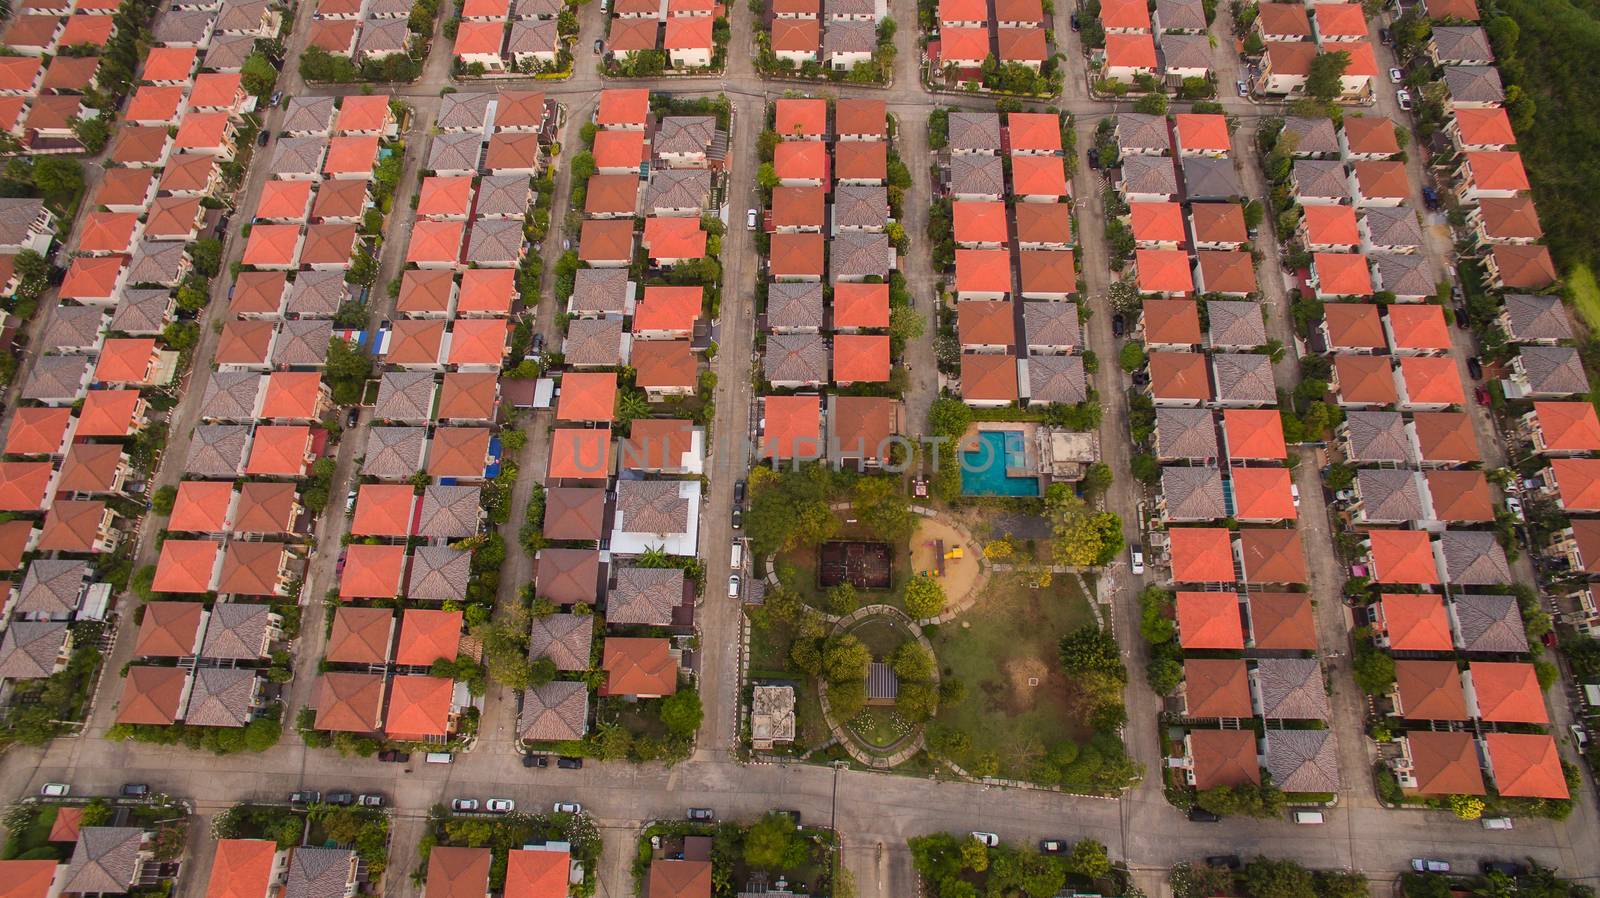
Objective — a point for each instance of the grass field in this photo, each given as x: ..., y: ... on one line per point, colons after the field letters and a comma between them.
x: 1018, y: 703
x: 1585, y: 295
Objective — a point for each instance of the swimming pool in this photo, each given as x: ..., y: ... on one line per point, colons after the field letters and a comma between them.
x: 983, y: 467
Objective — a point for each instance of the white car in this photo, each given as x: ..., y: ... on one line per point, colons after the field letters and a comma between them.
x: 1403, y: 98
x: 1580, y: 737
x: 1514, y: 505
x: 989, y: 839
x: 1294, y: 493
x: 1429, y: 865
x: 1136, y: 561
x: 733, y: 587
x: 1243, y: 88
x: 500, y: 806
x: 464, y: 804
x: 1396, y: 76
x: 568, y: 807
x: 750, y: 220
x: 55, y: 790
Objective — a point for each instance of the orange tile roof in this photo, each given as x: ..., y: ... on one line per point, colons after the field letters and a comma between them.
x: 201, y: 506
x: 1254, y: 433
x: 579, y: 453
x: 1034, y: 131
x: 1489, y: 126
x: 458, y: 452
x: 468, y: 395
x: 638, y: 666
x: 1218, y: 223
x: 259, y: 292
x: 1171, y: 321
x: 173, y: 217
x: 1496, y: 170
x: 1508, y: 692
x: 797, y: 207
x: 92, y: 277
x: 168, y: 629
x: 540, y: 874
x: 487, y: 290
x: 124, y: 186
x: 1043, y: 222
x: 618, y: 149
x: 279, y: 450
x: 14, y: 538
x: 620, y: 107
x: 292, y: 394
x: 151, y: 695
x: 1526, y: 765
x: 1130, y: 14
x: 1343, y: 274
x: 125, y: 360
x: 424, y: 290
x: 251, y: 568
x: 614, y: 194
x: 441, y: 195
x: 1223, y: 757
x: 349, y: 702
x: 1459, y: 495
x: 1430, y: 690
x: 1370, y: 135
x: 1163, y: 271
x: 329, y: 243
x: 798, y: 255
x: 1130, y: 50
x: 1217, y: 687
x: 1273, y: 555
x: 1157, y: 222
x: 674, y: 238
x: 37, y: 430
x: 202, y: 130
x: 457, y: 872
x: 1262, y: 494
x: 1355, y: 325
x: 1201, y: 555
x: 1209, y: 620
x: 1340, y: 20
x: 435, y: 242
x: 419, y: 707
x: 1432, y: 379
x: 245, y: 342
x: 219, y: 90
x: 983, y: 270
x: 284, y: 200
x: 34, y: 879
x: 1446, y: 437
x: 169, y: 63
x: 1403, y: 556
x: 185, y: 565
x: 606, y: 240
x: 372, y: 571
x: 1203, y: 132
x: 350, y: 154
x: 687, y: 33
x: 1179, y: 375
x: 384, y: 509
x: 1363, y: 61
x: 801, y: 160
x: 272, y: 244
x: 151, y: 103
x: 107, y: 232
x: 662, y: 364
x: 359, y: 112
x: 1038, y: 176
x: 986, y: 322
x: 480, y: 38
x: 860, y: 159
x: 860, y: 358
x: 107, y: 413
x: 1445, y: 763
x: 241, y: 868
x: 84, y: 28
x: 1366, y: 378
x: 1381, y: 178
x: 587, y: 396
x: 796, y: 117
x: 1227, y: 271
x: 426, y: 635
x: 1331, y: 225
x: 989, y: 377
x: 1566, y: 426
x: 478, y: 341
x: 23, y: 485
x: 860, y: 305
x: 71, y: 525
x: 792, y: 427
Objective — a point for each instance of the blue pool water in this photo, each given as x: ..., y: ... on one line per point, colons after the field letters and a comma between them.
x: 983, y: 468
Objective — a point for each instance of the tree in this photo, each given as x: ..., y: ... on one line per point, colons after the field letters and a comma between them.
x: 206, y: 256
x: 348, y: 368
x: 844, y: 658
x: 881, y: 506
x: 1151, y: 104
x: 582, y: 165
x: 1372, y: 668
x: 1131, y: 357
x: 681, y: 712
x: 974, y: 855
x: 1090, y: 649
x: 1145, y: 468
x: 924, y: 597
x: 912, y: 662
x: 94, y: 132
x: 33, y: 274
x: 1082, y: 537
x: 949, y: 417
x: 58, y: 177
x: 1089, y: 858
x: 363, y: 269
x: 1246, y: 799
x: 162, y: 500
x: 1324, y: 81
x: 257, y: 74
x: 1271, y: 878
x: 1466, y: 807
x: 847, y: 698
x: 842, y: 599
x: 1097, y: 478
x: 1341, y: 884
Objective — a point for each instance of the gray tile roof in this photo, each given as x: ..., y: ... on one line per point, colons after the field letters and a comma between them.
x: 1206, y: 177
x: 677, y: 188
x: 318, y: 873
x: 593, y: 341
x: 1320, y: 178
x: 849, y: 37
x: 533, y: 36
x: 300, y: 155
x: 1051, y: 323
x: 565, y: 639
x: 382, y: 9
x: 28, y: 649
x: 495, y: 240
x: 1474, y: 84
x: 318, y: 294
x: 555, y: 712
x: 1057, y: 378
x: 57, y: 378
x: 220, y: 697
x: 600, y: 290
x: 231, y: 396
x: 1149, y: 174
x: 544, y: 9
x: 241, y: 16
x: 217, y: 450
x: 1537, y: 317
x: 142, y: 312
x: 855, y: 254
x: 1311, y: 136
x: 394, y: 453
x: 1193, y: 494
x: 456, y: 152
x: 52, y: 587
x: 1303, y: 760
x: 1236, y: 323
x: 17, y: 216
x: 1244, y: 377
x: 158, y: 262
x: 467, y: 111
x: 1138, y: 132
x: 383, y: 36
x: 1291, y: 689
x: 1406, y: 274
x: 405, y: 396
x: 1393, y: 226
x: 1489, y: 623
x: 182, y: 26
x: 106, y: 859
x: 1377, y: 436
x: 860, y: 206
x: 1181, y: 14
x: 795, y: 305
x: 1474, y: 558
x: 645, y: 596
x: 73, y: 327
x: 312, y: 115
x: 978, y: 175
x: 504, y: 195
x: 1389, y: 495
x: 302, y: 342
x: 1462, y: 43
x: 974, y: 131
x: 1185, y: 51
x: 236, y: 631
x: 439, y: 573
x: 801, y: 358
x: 685, y: 134
x: 227, y: 52
x: 1554, y: 369
x: 652, y: 506
x: 451, y: 512
x: 1186, y: 433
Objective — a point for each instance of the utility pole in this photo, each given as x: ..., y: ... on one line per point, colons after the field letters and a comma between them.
x: 833, y: 811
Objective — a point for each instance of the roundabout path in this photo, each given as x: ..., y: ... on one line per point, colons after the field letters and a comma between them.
x: 908, y: 745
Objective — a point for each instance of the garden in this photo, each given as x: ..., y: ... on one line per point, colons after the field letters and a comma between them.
x: 502, y: 833
x: 962, y: 867
x: 747, y: 855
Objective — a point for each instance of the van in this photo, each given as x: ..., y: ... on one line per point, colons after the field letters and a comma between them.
x: 439, y: 757
x: 1307, y: 817
x: 737, y: 558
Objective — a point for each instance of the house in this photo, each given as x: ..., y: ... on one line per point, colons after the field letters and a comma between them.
x: 1520, y: 267
x: 1185, y: 56
x: 1473, y: 86
x: 688, y: 41
x: 1490, y: 173
x: 1459, y: 45
x: 1128, y: 55
x: 25, y: 224
x: 1148, y: 178
x: 796, y: 40
x: 1504, y: 220
x: 846, y: 44
x: 1534, y: 319
x: 1285, y: 65
x: 1277, y: 22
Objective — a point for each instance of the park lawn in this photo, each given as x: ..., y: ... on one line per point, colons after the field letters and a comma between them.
x: 1008, y: 636
x: 876, y: 727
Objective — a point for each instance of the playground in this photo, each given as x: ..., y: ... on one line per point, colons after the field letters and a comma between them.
x: 940, y: 549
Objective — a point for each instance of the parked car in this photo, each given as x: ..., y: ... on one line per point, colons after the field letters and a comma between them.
x: 1075, y: 22
x: 1429, y: 865
x: 1242, y: 87
x: 276, y: 96
x: 989, y: 839
x: 1496, y: 822
x: 1294, y: 494
x: 500, y: 806
x: 1136, y: 560
x: 307, y: 796
x: 567, y: 763
x: 1514, y: 505
x: 342, y: 799
x: 1396, y: 76
x: 703, y: 815
x: 536, y: 760
x: 263, y: 137
x: 1482, y: 395
x: 1430, y: 198
x: 1228, y: 861
x: 567, y: 807
x: 352, y: 417
x: 738, y: 518
x: 750, y: 220
x: 1119, y: 325
x: 1052, y: 846
x: 1509, y: 868
x: 1475, y: 367
x: 1201, y: 815
x: 369, y: 800
x: 1403, y: 99
x: 135, y: 790
x: 395, y: 757
x: 1094, y: 157
x: 55, y: 790
x: 463, y: 804
x: 738, y: 491
x: 733, y: 587
x: 349, y: 508
x: 599, y: 46
x: 1580, y: 737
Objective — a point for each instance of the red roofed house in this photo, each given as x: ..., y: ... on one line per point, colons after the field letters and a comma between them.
x: 1128, y: 55
x: 791, y: 427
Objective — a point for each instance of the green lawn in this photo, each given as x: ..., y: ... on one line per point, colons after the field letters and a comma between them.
x: 1585, y: 295
x: 33, y: 837
x: 876, y: 727
x: 1007, y: 639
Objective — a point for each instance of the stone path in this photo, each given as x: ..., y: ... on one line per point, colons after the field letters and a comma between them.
x: 913, y: 742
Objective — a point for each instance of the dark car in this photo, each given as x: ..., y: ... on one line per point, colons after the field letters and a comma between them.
x: 738, y: 518
x: 536, y: 760
x: 1119, y: 325
x: 1230, y: 861
x: 1430, y: 197
x: 1201, y: 815
x: 1074, y: 21
x: 394, y: 757
x: 1461, y: 317
x: 1474, y: 367
x: 599, y: 45
x: 738, y: 491
x: 702, y: 815
x: 1509, y: 868
x: 352, y: 417
x: 1385, y: 35
x: 135, y: 790
x: 1094, y: 157
x: 263, y: 137
x: 308, y: 796
x: 566, y: 763
x: 343, y: 799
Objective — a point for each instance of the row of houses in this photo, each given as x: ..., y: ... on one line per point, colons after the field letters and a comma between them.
x: 1167, y: 40
x: 363, y: 30
x: 973, y: 32
x: 1293, y: 35
x: 42, y: 88
x: 499, y: 38
x: 838, y: 34
x: 683, y: 31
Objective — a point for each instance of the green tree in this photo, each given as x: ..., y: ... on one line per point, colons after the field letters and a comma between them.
x: 33, y: 274
x: 94, y: 132
x: 844, y: 659
x: 1097, y: 478
x: 1466, y: 807
x: 842, y: 599
x: 1248, y: 799
x: 912, y: 662
x: 348, y: 368
x: 924, y: 597
x: 162, y: 500
x: 681, y: 712
x: 847, y: 698
x: 58, y: 177
x: 773, y: 844
x: 1324, y: 81
x: 1131, y: 357
x: 1089, y: 858
x: 1151, y: 104
x: 974, y: 854
x: 258, y: 74
x: 1340, y: 884
x: 882, y: 507
x: 1270, y: 878
x: 1090, y: 649
x: 1372, y: 668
